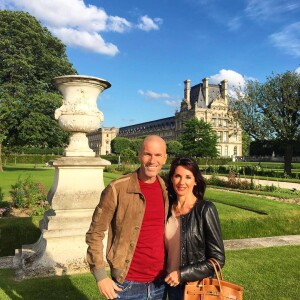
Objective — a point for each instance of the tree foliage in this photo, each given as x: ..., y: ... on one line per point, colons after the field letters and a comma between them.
x: 119, y: 144
x: 271, y: 111
x: 136, y: 145
x: 30, y: 57
x: 198, y: 139
x: 246, y: 143
x: 128, y: 155
x: 174, y: 147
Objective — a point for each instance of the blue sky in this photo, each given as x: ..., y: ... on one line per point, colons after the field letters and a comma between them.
x: 147, y: 48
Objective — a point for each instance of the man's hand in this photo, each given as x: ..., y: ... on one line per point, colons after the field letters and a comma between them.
x: 107, y: 287
x: 173, y: 279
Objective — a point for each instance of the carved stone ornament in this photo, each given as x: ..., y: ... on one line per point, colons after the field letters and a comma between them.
x: 79, y: 113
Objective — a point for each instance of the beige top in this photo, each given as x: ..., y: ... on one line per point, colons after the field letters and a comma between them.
x: 172, y: 242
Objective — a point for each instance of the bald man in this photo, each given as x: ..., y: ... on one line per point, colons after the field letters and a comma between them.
x: 133, y: 208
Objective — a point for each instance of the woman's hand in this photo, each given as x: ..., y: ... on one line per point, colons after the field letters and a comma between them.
x: 173, y: 279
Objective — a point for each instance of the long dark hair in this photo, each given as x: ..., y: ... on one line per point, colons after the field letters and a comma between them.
x: 191, y: 164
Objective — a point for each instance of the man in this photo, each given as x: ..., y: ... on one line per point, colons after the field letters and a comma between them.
x: 133, y: 208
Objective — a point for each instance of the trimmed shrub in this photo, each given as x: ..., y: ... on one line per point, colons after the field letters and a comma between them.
x: 28, y: 158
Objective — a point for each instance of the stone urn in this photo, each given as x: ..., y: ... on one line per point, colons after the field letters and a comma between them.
x: 79, y: 113
x: 76, y: 189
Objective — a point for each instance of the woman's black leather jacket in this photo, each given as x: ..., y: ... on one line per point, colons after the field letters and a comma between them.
x: 200, y: 239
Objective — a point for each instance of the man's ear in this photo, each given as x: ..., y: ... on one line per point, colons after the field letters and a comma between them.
x: 166, y: 156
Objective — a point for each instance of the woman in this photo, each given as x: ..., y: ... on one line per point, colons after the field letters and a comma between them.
x: 192, y: 232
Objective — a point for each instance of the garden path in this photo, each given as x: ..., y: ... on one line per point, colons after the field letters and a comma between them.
x: 280, y: 184
x: 238, y: 244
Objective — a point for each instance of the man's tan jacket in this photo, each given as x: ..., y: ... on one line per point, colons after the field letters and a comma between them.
x: 121, y: 211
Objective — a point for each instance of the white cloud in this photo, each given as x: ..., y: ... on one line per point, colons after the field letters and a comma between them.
x: 153, y: 95
x: 147, y: 24
x: 83, y: 22
x: 85, y: 40
x: 288, y: 39
x: 173, y: 103
x: 270, y: 9
x: 73, y: 13
x: 235, y: 80
x: 118, y: 24
x: 297, y: 70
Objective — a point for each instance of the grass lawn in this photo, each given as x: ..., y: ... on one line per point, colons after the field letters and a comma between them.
x: 15, y: 232
x: 244, y: 216
x: 38, y: 174
x: 263, y: 272
x: 241, y: 215
x: 12, y: 172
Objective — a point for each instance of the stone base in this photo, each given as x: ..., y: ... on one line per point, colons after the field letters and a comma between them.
x: 61, y: 248
x: 58, y: 251
x: 37, y: 261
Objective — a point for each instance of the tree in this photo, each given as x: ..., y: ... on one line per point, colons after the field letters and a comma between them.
x: 246, y: 143
x: 174, y: 147
x: 198, y: 139
x: 128, y: 155
x: 136, y: 145
x: 119, y: 144
x: 30, y: 57
x: 271, y: 111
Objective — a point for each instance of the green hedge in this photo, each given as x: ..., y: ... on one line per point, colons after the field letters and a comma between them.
x: 28, y: 158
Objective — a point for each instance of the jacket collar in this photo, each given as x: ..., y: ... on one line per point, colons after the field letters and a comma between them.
x: 134, y: 187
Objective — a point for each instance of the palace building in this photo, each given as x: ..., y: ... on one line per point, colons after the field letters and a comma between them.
x: 205, y: 101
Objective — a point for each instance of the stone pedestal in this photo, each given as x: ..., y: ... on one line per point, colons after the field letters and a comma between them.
x: 74, y: 195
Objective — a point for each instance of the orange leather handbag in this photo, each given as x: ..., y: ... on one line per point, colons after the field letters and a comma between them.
x: 213, y: 288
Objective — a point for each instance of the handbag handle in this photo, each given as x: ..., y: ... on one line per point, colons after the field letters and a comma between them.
x: 218, y: 271
x: 217, y: 267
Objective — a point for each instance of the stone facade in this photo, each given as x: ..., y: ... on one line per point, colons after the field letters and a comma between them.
x: 209, y: 102
x: 205, y: 101
x: 100, y: 140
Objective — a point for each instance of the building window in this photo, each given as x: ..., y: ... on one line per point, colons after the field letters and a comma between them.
x: 235, y: 137
x: 219, y: 136
x: 235, y: 150
x: 224, y: 136
x: 226, y: 150
x: 220, y: 122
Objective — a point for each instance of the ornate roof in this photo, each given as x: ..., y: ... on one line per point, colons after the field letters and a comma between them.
x: 197, y: 94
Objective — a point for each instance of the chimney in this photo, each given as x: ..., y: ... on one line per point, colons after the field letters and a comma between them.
x: 205, y: 89
x: 225, y: 90
x: 187, y: 91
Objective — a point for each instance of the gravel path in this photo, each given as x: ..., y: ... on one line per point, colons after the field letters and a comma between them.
x: 273, y: 241
x: 7, y: 261
x: 280, y: 184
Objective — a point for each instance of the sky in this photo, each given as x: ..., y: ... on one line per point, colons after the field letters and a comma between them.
x: 146, y: 49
